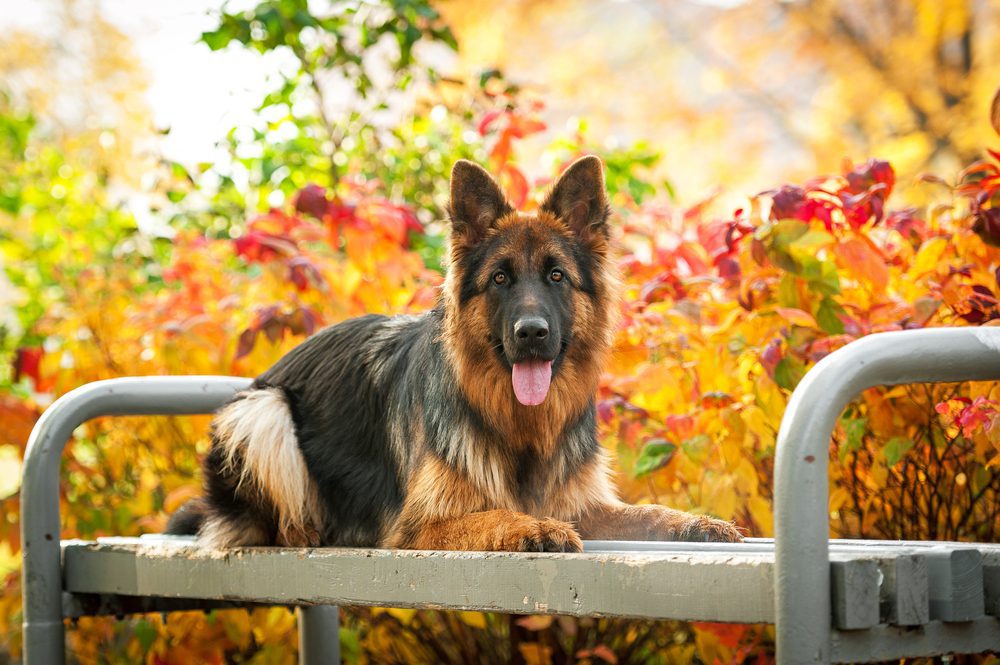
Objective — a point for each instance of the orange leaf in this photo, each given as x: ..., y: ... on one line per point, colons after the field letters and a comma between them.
x: 179, y: 497
x: 536, y: 622
x: 515, y: 185
x: 796, y: 317
x: 729, y: 634
x: 863, y: 261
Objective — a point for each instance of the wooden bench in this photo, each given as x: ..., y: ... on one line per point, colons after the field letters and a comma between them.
x: 832, y: 600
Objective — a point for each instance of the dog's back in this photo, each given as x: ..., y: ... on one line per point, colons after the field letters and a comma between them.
x: 313, y: 452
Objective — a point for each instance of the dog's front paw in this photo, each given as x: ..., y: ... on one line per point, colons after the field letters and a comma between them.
x: 668, y: 524
x: 706, y: 529
x: 546, y: 535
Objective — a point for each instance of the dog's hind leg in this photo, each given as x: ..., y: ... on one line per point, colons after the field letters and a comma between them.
x: 259, y: 491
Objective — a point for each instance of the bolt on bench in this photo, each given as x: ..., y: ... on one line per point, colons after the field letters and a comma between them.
x: 831, y: 600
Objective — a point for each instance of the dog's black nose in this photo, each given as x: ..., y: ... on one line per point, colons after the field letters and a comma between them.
x: 531, y: 328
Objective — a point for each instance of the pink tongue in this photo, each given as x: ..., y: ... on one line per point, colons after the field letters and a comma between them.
x: 531, y: 381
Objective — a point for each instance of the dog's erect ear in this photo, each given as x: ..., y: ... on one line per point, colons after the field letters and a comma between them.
x: 476, y: 203
x: 579, y: 200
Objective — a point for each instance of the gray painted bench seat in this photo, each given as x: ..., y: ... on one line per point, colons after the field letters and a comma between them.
x: 880, y: 606
x: 831, y: 601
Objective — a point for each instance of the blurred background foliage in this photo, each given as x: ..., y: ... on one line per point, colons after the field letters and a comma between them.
x: 327, y: 201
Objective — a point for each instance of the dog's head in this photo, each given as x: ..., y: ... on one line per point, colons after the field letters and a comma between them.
x: 527, y: 294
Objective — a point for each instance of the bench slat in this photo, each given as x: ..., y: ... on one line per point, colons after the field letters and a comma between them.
x: 670, y: 586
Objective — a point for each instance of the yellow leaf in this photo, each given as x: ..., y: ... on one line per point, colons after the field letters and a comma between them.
x: 929, y: 256
x: 722, y: 499
x: 995, y: 112
x: 404, y: 615
x: 771, y: 400
x: 474, y: 619
x: 838, y: 497
x: 760, y: 511
x: 535, y: 654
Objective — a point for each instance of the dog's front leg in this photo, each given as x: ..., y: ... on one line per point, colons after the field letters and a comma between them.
x: 620, y: 521
x: 488, y: 530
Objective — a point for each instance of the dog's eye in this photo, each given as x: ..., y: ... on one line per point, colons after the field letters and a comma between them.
x: 556, y: 275
x: 499, y: 277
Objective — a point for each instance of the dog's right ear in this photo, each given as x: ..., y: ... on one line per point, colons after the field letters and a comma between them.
x: 476, y: 203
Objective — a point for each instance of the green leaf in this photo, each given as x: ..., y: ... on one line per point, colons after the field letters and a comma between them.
x: 786, y: 232
x: 829, y: 280
x: 145, y: 633
x: 896, y: 448
x: 827, y: 316
x: 788, y: 372
x: 656, y: 454
x: 696, y: 448
x: 216, y: 39
x: 810, y: 241
x: 854, y: 429
x: 788, y: 291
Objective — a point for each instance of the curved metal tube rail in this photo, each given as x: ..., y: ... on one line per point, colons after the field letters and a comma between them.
x: 41, y: 573
x: 801, y: 485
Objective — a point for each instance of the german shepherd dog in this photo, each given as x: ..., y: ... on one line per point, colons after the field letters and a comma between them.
x: 470, y: 427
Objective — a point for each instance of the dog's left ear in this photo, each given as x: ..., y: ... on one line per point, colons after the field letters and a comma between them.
x: 578, y: 198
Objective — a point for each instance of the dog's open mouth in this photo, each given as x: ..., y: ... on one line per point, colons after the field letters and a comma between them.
x: 531, y: 379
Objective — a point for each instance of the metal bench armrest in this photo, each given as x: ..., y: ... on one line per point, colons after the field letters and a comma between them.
x: 801, y: 487
x: 41, y: 574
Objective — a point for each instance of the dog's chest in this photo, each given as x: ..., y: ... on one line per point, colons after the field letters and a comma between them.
x: 531, y: 479
x: 536, y: 482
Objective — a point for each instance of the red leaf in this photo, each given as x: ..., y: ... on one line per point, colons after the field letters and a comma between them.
x: 716, y: 400
x: 273, y: 327
x: 606, y: 409
x: 302, y: 321
x: 488, y: 119
x: 27, y: 363
x: 260, y: 247
x: 873, y: 172
x: 303, y: 273
x: 520, y: 126
x: 818, y: 209
x: 246, y: 343
x: 907, y: 224
x: 682, y: 426
x: 729, y: 270
x: 771, y: 356
x: 311, y: 200
x: 986, y: 224
x: 786, y: 202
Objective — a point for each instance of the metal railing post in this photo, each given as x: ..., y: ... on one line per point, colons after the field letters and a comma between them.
x: 319, y: 635
x: 41, y: 575
x: 801, y: 491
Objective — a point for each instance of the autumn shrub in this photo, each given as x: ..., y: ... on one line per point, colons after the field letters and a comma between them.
x: 722, y: 317
x: 724, y: 311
